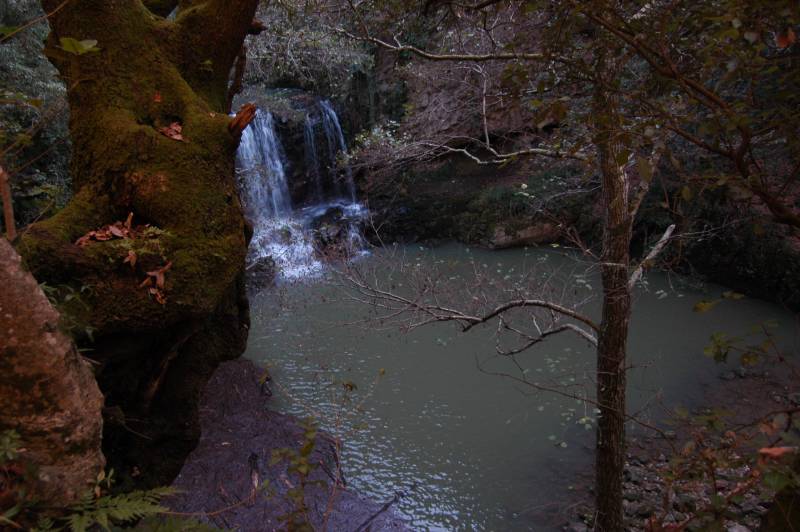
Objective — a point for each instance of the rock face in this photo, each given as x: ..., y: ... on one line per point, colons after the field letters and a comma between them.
x: 48, y: 394
x: 234, y: 455
x: 35, y: 97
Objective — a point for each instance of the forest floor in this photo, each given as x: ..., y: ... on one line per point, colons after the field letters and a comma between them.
x: 737, y: 404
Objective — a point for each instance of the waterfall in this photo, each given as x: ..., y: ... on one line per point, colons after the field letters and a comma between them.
x: 261, y: 169
x: 291, y: 239
x: 311, y: 156
x: 336, y: 145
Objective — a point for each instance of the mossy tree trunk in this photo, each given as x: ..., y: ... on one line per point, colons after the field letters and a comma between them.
x: 148, y: 74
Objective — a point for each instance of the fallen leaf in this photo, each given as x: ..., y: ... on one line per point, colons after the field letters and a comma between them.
x: 157, y: 97
x: 776, y: 452
x: 786, y: 39
x: 131, y: 259
x: 173, y: 131
x: 116, y: 231
x: 108, y: 232
x: 158, y: 275
x: 705, y: 305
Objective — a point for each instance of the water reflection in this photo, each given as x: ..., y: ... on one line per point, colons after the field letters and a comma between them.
x: 475, y: 451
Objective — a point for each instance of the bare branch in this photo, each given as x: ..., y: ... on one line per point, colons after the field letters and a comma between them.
x: 637, y: 273
x: 399, y: 47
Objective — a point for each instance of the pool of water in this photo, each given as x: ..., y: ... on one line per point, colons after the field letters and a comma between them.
x: 435, y: 412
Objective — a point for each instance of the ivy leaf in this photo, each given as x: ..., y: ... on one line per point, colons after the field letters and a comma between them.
x: 74, y: 46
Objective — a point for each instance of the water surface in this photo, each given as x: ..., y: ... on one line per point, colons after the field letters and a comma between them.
x: 423, y: 411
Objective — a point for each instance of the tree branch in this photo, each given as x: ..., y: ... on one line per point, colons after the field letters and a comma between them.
x: 442, y: 57
x: 637, y: 273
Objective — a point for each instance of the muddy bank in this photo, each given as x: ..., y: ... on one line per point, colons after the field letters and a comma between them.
x: 234, y: 454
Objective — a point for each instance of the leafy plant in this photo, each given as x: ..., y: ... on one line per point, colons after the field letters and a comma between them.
x: 301, y: 465
x: 9, y: 446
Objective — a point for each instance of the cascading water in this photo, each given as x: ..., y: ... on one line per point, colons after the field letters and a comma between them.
x: 261, y: 163
x: 312, y: 158
x: 336, y: 144
x: 292, y: 238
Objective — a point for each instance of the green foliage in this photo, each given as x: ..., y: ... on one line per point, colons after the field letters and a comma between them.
x: 719, y: 448
x: 76, y: 47
x: 71, y: 305
x: 752, y: 347
x: 301, y: 466
x: 114, y: 509
x: 9, y: 446
x: 5, y: 31
x: 95, y: 509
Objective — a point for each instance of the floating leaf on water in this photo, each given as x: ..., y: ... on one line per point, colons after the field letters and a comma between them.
x: 730, y: 294
x: 705, y: 305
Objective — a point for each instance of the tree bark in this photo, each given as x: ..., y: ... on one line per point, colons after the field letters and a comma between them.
x: 613, y: 336
x: 47, y: 392
x: 147, y: 77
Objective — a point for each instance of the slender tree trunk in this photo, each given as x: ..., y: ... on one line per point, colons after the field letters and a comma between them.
x: 613, y: 337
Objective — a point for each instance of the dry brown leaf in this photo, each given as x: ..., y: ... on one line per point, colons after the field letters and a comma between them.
x: 776, y: 452
x: 173, y: 131
x: 158, y: 275
x: 242, y: 119
x: 108, y: 232
x: 116, y: 231
x: 131, y: 259
x: 786, y: 39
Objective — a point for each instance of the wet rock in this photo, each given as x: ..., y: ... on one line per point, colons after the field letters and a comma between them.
x: 577, y: 527
x: 632, y: 495
x: 736, y: 527
x: 537, y: 234
x: 261, y: 273
x: 233, y: 453
x: 633, y: 475
x: 684, y: 503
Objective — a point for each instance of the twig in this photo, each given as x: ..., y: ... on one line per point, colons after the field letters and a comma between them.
x: 8, y: 208
x: 34, y: 21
